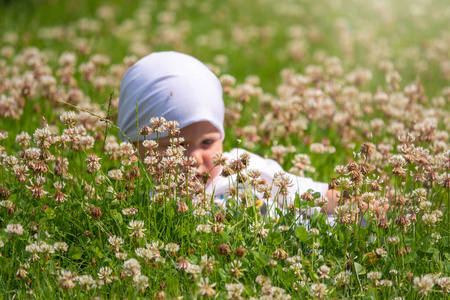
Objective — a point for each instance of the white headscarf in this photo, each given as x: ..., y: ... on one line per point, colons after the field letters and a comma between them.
x: 172, y: 85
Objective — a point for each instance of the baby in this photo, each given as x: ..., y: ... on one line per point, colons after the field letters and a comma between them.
x: 179, y: 87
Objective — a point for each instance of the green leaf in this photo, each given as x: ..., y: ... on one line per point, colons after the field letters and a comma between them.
x: 260, y: 258
x: 447, y: 266
x: 370, y: 294
x: 42, y: 236
x: 250, y: 211
x: 223, y: 274
x: 98, y: 252
x: 297, y: 201
x: 75, y: 253
x: 435, y: 256
x: 110, y: 193
x: 301, y: 233
x: 118, y: 217
x: 50, y: 213
x: 274, y: 238
x: 359, y: 269
x: 362, y: 232
x: 411, y: 256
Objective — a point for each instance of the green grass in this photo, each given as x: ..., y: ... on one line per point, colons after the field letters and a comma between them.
x: 254, y: 36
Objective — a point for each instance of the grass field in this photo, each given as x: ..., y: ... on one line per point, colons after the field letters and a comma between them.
x: 352, y: 93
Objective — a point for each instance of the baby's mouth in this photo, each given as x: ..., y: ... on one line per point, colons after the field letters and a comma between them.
x: 202, y: 177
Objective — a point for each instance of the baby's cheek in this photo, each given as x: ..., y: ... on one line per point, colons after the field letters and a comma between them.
x: 215, y: 172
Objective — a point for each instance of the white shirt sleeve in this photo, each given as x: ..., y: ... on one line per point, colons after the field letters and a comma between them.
x: 268, y: 168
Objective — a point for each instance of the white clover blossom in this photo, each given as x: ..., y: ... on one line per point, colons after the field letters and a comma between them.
x: 14, y: 229
x: 314, y: 231
x: 61, y: 246
x: 137, y: 227
x: 129, y: 211
x: 140, y: 281
x: 319, y: 290
x: 393, y: 240
x: 199, y: 212
x: 132, y: 267
x: 85, y: 281
x: 104, y: 274
x: 205, y: 228
x: 116, y: 242
x: 423, y: 284
x: 343, y: 278
x: 172, y: 248
x: 374, y: 275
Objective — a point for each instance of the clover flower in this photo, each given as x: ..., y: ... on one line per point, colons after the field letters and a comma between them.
x: 429, y: 219
x: 297, y: 268
x: 206, y: 289
x: 43, y: 137
x: 23, y: 139
x: 234, y: 290
x: 147, y: 253
x: 235, y: 271
x: 172, y: 248
x: 159, y: 124
x: 263, y: 280
x: 21, y: 272
x: 121, y: 256
x: 46, y: 249
x: 199, y: 212
x: 140, y: 282
x: 116, y: 242
x: 393, y: 240
x: 129, y: 211
x: 208, y: 264
x: 423, y: 284
x: 324, y: 271
x: 193, y: 270
x: 386, y: 283
x: 205, y: 228
x: 435, y: 236
x: 319, y: 290
x: 293, y: 259
x: 115, y: 174
x: 343, y: 278
x: 65, y: 280
x: 104, y: 274
x: 138, y: 228
x: 132, y: 267
x: 283, y: 182
x: 14, y: 229
x: 444, y: 283
x: 85, y: 281
x: 374, y: 275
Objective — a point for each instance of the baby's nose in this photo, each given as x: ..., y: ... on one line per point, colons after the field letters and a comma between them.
x: 196, y: 153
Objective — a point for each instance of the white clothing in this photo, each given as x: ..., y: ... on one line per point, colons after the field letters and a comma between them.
x: 219, y: 186
x: 172, y: 85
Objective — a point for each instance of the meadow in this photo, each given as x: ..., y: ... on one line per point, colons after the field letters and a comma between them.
x: 352, y: 93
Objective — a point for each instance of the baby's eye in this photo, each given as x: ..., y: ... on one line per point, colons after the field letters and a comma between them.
x: 207, y: 142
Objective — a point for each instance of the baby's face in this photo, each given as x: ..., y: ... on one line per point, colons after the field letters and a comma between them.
x: 202, y: 140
